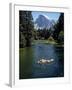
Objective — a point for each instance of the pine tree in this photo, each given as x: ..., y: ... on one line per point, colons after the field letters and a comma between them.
x: 59, y: 27
x: 26, y: 26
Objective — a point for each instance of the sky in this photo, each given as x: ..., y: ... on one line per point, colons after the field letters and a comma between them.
x: 50, y: 15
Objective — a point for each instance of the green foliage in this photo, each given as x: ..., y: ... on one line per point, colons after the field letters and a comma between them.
x: 41, y: 34
x: 58, y: 33
x: 61, y: 37
x: 22, y: 40
x: 50, y: 38
x: 26, y: 27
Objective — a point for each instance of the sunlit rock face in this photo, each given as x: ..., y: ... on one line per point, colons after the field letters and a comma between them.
x: 43, y: 22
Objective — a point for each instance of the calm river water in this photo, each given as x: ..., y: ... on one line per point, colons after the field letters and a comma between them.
x: 29, y: 68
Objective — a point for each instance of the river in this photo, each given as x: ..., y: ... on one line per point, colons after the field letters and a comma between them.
x: 29, y: 56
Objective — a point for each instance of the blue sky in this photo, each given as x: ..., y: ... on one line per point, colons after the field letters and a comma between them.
x: 49, y: 15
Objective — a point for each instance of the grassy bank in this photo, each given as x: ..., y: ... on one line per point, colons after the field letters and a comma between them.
x: 53, y: 42
x: 44, y: 41
x: 47, y: 42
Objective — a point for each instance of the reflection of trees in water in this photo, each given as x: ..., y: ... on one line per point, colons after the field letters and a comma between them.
x: 26, y: 60
x: 59, y: 51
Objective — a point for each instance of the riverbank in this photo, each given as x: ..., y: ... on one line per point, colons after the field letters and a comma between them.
x: 43, y: 41
x: 47, y: 42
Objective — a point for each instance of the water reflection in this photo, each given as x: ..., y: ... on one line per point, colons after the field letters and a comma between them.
x: 26, y: 62
x: 29, y: 68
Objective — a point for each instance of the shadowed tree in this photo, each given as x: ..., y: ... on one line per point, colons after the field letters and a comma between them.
x: 26, y: 26
x: 59, y: 28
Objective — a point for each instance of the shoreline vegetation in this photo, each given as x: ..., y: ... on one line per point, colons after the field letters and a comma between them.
x: 47, y: 42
